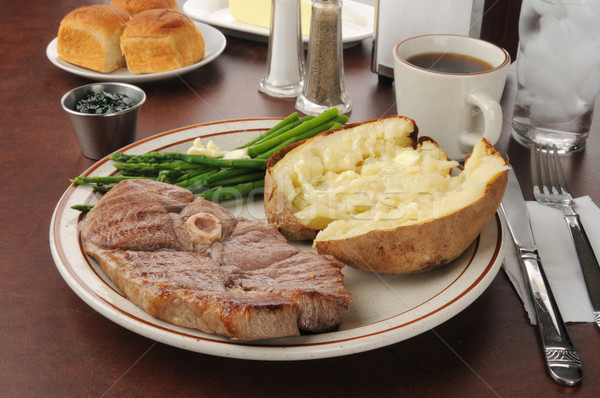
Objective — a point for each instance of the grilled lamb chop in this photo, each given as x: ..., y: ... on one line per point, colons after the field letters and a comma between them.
x: 312, y: 281
x: 190, y: 262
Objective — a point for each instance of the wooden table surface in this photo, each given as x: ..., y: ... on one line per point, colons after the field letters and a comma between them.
x: 54, y: 345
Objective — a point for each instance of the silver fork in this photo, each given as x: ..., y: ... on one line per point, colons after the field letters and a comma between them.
x: 550, y: 188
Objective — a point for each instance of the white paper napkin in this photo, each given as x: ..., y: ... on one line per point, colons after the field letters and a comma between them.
x: 559, y: 259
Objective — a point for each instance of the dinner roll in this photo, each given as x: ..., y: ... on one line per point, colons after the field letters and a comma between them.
x: 90, y: 37
x: 161, y: 40
x: 135, y: 6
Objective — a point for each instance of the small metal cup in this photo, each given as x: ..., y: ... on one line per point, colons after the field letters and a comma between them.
x: 102, y: 134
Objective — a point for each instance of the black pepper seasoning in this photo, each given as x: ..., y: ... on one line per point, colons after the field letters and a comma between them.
x: 324, y: 80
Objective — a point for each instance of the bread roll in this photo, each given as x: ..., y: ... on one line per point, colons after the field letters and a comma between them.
x: 161, y: 40
x: 90, y: 37
x: 136, y: 6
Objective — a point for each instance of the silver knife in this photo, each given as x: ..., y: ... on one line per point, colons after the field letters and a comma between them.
x: 587, y: 258
x: 562, y: 360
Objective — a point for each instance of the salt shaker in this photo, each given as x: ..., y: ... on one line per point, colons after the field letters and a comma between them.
x: 285, y: 57
x: 324, y: 77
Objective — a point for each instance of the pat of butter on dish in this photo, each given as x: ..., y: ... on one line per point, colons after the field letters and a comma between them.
x: 258, y: 13
x: 211, y: 150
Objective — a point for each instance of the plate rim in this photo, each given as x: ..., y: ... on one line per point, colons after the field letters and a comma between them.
x: 197, y: 341
x: 126, y: 76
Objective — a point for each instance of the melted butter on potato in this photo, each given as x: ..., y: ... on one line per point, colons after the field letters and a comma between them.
x: 370, y: 177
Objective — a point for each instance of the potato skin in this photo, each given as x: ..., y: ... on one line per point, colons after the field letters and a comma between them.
x: 280, y: 213
x: 403, y: 250
x: 278, y: 210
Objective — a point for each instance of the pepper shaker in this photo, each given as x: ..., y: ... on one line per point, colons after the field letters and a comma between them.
x: 285, y: 57
x: 324, y: 77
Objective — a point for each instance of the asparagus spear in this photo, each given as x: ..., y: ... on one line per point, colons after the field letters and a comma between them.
x: 247, y: 177
x: 193, y: 163
x: 102, y: 180
x: 320, y: 120
x: 284, y: 129
x: 214, y: 162
x: 145, y: 167
x: 222, y: 194
x: 197, y: 181
x: 290, y: 119
x: 214, y: 179
x: 178, y: 161
x: 333, y: 124
x: 192, y: 173
x: 82, y: 208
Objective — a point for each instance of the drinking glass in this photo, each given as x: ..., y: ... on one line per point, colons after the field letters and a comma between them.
x: 558, y: 72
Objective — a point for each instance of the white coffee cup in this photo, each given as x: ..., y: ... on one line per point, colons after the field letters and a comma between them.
x: 455, y: 109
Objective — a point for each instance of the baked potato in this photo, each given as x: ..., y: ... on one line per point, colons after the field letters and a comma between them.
x: 380, y: 199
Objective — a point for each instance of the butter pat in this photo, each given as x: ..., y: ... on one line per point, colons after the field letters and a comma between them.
x: 258, y: 13
x: 211, y: 150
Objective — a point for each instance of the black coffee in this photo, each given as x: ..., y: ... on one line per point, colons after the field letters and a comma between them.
x: 449, y: 63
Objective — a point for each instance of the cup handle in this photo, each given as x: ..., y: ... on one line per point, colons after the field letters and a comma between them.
x: 492, y: 119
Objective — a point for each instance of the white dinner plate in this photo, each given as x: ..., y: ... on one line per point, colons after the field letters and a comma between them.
x: 214, y: 44
x: 385, y: 308
x: 357, y: 20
